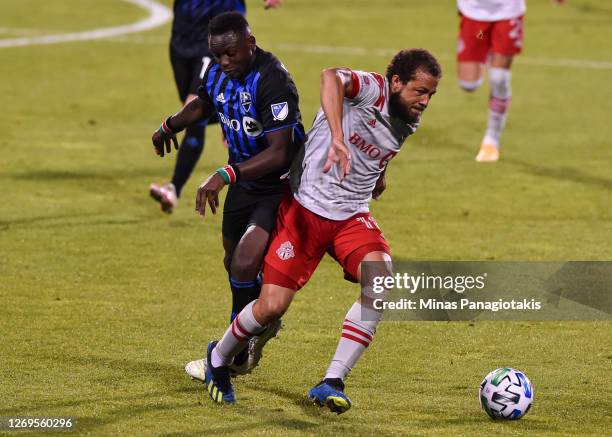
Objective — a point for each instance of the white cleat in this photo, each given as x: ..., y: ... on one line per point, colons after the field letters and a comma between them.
x: 164, y: 194
x: 196, y: 369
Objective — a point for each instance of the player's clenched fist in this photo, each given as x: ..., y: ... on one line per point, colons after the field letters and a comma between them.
x: 163, y: 136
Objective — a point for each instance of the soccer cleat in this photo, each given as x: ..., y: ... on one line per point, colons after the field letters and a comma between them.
x: 197, y: 369
x: 488, y: 153
x: 218, y: 381
x: 164, y: 194
x: 330, y: 393
x: 257, y: 343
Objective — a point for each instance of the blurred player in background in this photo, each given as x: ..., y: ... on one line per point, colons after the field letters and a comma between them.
x: 363, y: 122
x: 490, y: 31
x: 189, y: 54
x: 256, y: 102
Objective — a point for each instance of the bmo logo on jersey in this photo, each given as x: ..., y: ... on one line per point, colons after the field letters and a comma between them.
x: 232, y: 123
x: 371, y: 150
x: 252, y: 127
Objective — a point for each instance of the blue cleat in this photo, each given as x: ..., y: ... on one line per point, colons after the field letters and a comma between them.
x: 218, y: 381
x: 330, y: 393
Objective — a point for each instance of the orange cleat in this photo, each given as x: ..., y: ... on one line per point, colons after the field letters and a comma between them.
x: 488, y: 153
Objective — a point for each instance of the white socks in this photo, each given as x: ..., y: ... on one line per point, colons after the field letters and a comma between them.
x: 356, y: 337
x: 470, y: 85
x: 499, y: 101
x: 242, y: 329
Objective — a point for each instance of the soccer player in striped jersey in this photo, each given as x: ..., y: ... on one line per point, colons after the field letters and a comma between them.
x: 363, y: 122
x: 188, y: 55
x: 256, y: 102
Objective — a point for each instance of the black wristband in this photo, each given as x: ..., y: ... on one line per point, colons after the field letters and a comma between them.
x: 169, y: 125
x: 237, y: 171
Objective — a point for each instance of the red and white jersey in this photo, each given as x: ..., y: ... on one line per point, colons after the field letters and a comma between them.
x: 492, y: 10
x: 373, y: 138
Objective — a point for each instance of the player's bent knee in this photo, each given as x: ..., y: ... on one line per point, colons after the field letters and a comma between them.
x: 267, y: 310
x: 244, y: 268
x: 275, y: 310
x: 374, y: 263
x: 470, y: 85
x: 500, y: 82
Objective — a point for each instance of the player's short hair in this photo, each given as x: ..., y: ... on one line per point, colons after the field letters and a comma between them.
x: 406, y: 63
x: 228, y: 22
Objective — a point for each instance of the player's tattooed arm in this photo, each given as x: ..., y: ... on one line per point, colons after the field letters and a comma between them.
x: 381, y: 185
x: 336, y: 84
x: 195, y: 110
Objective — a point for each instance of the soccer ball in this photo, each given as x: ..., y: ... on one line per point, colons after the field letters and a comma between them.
x: 506, y: 394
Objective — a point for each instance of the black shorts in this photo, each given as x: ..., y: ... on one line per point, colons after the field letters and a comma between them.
x: 244, y: 208
x: 188, y: 73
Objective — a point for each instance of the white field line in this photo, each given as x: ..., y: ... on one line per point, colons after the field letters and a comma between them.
x: 360, y: 51
x: 158, y: 15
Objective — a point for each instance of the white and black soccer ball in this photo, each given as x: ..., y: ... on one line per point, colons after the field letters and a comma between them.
x: 506, y: 394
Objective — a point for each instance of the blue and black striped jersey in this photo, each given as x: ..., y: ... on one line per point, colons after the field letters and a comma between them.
x: 264, y: 100
x: 190, y: 25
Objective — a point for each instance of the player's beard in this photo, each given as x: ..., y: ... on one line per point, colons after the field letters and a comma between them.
x: 397, y: 110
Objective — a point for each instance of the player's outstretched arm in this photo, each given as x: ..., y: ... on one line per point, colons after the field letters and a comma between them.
x: 336, y: 84
x: 194, y: 111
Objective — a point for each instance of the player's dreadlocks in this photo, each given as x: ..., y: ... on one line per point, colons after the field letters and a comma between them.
x: 406, y: 63
x: 228, y: 22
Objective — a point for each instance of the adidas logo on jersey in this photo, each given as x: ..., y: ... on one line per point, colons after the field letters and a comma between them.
x: 372, y: 122
x: 221, y: 98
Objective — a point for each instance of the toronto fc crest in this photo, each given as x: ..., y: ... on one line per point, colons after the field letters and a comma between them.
x: 285, y: 251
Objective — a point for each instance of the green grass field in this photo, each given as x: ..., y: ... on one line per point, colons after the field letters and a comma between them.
x: 104, y: 298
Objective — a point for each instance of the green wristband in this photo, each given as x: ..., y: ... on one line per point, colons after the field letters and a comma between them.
x: 224, y: 175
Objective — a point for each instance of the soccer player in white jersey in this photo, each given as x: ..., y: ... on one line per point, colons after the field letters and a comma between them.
x: 490, y: 30
x: 364, y: 119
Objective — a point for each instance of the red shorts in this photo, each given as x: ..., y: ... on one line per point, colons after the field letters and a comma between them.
x: 302, y: 238
x: 479, y: 38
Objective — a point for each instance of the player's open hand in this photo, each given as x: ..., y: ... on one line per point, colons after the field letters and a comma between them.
x: 339, y: 155
x: 208, y: 192
x: 161, y: 139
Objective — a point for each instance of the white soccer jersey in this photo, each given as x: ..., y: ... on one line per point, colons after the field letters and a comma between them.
x: 491, y: 10
x: 373, y: 138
